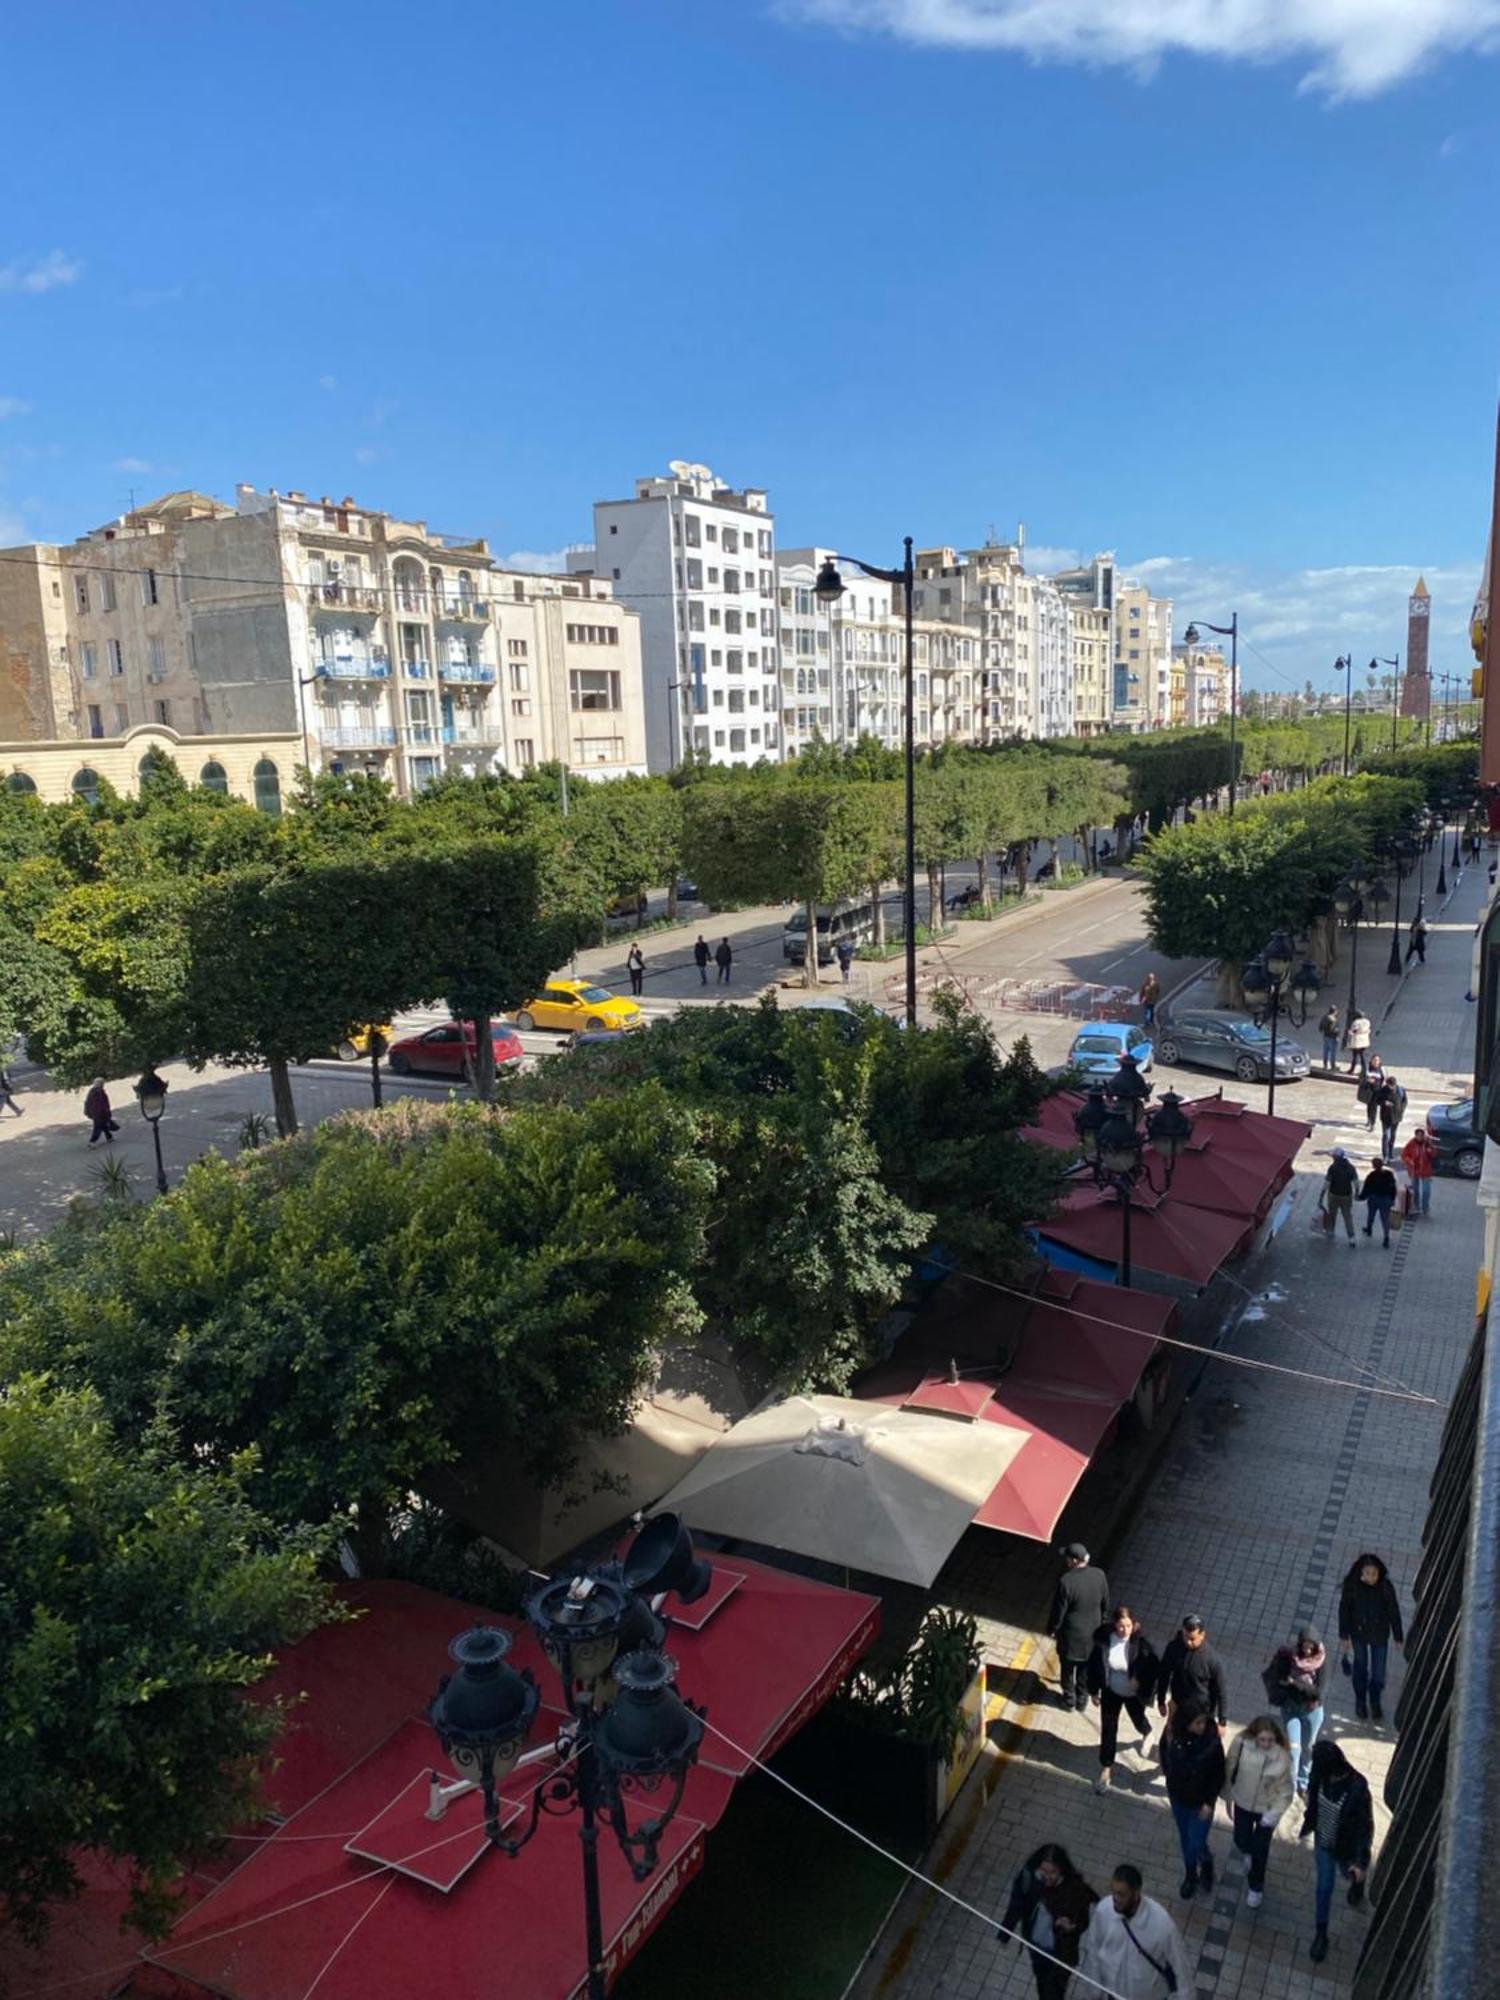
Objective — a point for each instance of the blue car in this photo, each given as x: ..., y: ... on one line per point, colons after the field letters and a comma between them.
x: 1097, y: 1049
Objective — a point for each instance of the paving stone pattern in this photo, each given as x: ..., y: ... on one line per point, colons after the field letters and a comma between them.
x: 1267, y: 1492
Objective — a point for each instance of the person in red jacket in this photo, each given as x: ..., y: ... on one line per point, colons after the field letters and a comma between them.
x: 1419, y: 1156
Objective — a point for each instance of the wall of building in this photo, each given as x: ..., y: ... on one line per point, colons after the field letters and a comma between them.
x: 54, y: 767
x: 34, y: 680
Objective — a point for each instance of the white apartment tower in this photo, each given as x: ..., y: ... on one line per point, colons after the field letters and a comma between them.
x: 1052, y: 659
x: 697, y: 561
x: 987, y: 590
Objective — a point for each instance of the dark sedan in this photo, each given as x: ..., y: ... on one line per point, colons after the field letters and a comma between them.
x: 1220, y: 1041
x: 1460, y: 1149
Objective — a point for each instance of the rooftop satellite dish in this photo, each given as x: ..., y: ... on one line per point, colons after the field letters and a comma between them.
x: 701, y: 472
x: 679, y: 468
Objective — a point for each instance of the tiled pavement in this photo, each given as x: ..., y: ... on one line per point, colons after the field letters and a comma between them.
x: 1269, y: 1489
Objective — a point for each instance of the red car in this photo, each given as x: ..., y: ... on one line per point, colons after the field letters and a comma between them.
x: 449, y: 1050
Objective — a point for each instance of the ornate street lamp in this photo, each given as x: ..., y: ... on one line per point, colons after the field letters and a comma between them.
x: 1400, y: 849
x: 1168, y: 1130
x: 1112, y: 1141
x: 1231, y: 632
x: 151, y: 1095
x: 630, y: 1736
x: 1264, y: 981
x: 1349, y: 904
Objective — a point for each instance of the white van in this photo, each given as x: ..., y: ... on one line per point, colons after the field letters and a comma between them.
x: 836, y: 921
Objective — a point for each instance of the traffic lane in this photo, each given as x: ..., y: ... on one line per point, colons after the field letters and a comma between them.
x: 1101, y: 941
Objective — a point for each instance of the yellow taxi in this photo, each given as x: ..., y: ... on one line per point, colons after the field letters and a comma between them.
x: 357, y: 1042
x: 571, y: 1004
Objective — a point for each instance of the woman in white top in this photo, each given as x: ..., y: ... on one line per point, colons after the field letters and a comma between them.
x: 1258, y: 1788
x: 1121, y: 1672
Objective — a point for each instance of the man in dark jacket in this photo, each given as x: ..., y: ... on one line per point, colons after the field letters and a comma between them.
x: 1369, y: 1618
x: 1339, y: 1184
x: 1080, y: 1607
x: 724, y: 959
x: 1192, y: 1671
x: 1379, y: 1197
x: 701, y: 956
x: 1342, y: 1822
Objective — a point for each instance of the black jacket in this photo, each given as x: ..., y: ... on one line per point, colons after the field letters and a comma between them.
x: 1193, y: 1767
x: 1355, y: 1835
x: 1193, y: 1673
x: 1289, y: 1682
x: 724, y: 955
x: 1380, y: 1184
x: 1370, y: 1612
x: 701, y: 953
x: 1078, y: 1610
x: 1341, y: 1177
x: 1073, y: 1899
x: 1144, y: 1665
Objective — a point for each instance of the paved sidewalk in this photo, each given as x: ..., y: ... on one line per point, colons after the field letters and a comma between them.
x: 1268, y: 1490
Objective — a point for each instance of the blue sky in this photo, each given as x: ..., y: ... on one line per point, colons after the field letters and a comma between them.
x: 1225, y: 302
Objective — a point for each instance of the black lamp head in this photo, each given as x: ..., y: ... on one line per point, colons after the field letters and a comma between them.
x: 661, y: 1558
x: 648, y: 1728
x: 484, y: 1712
x: 829, y: 587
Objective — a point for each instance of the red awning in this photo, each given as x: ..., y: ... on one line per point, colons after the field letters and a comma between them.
x: 358, y: 1895
x: 1238, y: 1127
x: 1168, y: 1238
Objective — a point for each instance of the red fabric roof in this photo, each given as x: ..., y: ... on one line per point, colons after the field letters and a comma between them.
x: 299, y: 1911
x: 1167, y: 1237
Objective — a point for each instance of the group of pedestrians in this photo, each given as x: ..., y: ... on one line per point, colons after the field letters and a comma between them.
x: 1127, y: 1941
x: 722, y: 956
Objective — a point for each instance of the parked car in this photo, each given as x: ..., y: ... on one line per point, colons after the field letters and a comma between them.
x: 357, y: 1042
x: 1460, y: 1149
x: 1222, y: 1041
x: 636, y: 904
x: 1097, y: 1049
x: 687, y: 890
x: 593, y: 1038
x: 852, y: 921
x: 567, y: 1004
x: 449, y: 1050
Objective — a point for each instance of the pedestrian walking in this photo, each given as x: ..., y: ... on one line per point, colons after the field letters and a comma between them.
x: 1192, y: 1671
x: 1416, y: 940
x: 1370, y: 1086
x: 1258, y: 1788
x: 1390, y: 1108
x: 1294, y: 1680
x: 1357, y: 1041
x: 1079, y: 1607
x: 635, y: 965
x: 1339, y: 1184
x: 96, y: 1109
x: 1419, y: 1157
x: 1341, y: 1820
x: 8, y: 1092
x: 1475, y: 843
x: 1192, y: 1762
x: 844, y: 952
x: 1121, y: 1673
x: 1369, y: 1619
x: 701, y: 956
x: 1150, y: 993
x: 1328, y: 1028
x: 1048, y: 1913
x: 1379, y: 1197
x: 1132, y: 1948
x: 724, y: 959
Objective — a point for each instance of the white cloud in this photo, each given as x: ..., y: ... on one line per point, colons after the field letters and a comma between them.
x: 1351, y: 48
x: 56, y: 268
x: 13, y: 406
x: 541, y: 562
x: 133, y: 465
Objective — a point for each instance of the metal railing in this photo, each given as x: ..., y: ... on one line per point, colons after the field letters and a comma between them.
x: 465, y: 670
x: 1435, y: 1933
x: 381, y: 737
x: 354, y: 667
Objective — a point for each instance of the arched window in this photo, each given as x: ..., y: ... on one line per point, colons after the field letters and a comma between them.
x: 213, y: 777
x: 267, y: 787
x: 86, y: 786
x: 19, y: 782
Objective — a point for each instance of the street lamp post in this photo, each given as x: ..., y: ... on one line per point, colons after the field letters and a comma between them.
x: 1395, y: 664
x: 1399, y: 849
x: 1111, y: 1139
x: 1231, y: 631
x: 1350, y: 906
x: 674, y: 716
x: 1266, y: 979
x: 151, y: 1095
x: 1344, y: 665
x: 828, y: 589
x: 629, y: 1738
x: 307, y: 681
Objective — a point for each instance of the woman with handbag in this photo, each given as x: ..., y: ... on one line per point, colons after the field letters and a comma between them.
x: 1342, y: 1822
x: 1258, y: 1788
x: 1294, y: 1680
x: 1049, y: 1909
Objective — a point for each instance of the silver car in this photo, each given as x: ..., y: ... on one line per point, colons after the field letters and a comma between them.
x: 1229, y: 1042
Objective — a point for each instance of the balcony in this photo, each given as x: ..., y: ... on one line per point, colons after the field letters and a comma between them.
x: 472, y: 736
x: 343, y: 597
x: 416, y: 670
x: 465, y: 670
x: 461, y: 609
x: 353, y: 667
x: 380, y: 736
x: 422, y: 732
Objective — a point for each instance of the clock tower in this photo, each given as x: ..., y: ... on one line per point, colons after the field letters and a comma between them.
x: 1416, y: 684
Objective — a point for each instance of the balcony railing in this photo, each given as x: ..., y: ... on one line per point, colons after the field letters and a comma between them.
x: 460, y: 607
x: 343, y: 597
x: 475, y: 734
x: 465, y: 670
x: 416, y: 670
x: 354, y: 667
x: 381, y: 736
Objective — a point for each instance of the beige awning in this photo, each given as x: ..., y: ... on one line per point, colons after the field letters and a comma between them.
x: 873, y: 1488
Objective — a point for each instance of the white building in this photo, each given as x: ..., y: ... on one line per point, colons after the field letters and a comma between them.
x: 1052, y: 659
x: 697, y: 561
x: 1206, y: 675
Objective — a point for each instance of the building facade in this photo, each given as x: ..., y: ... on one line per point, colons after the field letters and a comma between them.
x: 1091, y: 641
x: 697, y: 561
x: 258, y: 769
x: 1052, y: 658
x: 1204, y: 673
x: 385, y: 647
x: 988, y: 591
x: 1143, y: 658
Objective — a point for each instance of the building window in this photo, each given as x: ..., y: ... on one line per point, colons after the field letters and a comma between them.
x: 107, y: 598
x: 736, y: 739
x: 520, y: 704
x: 86, y: 786
x: 594, y: 688
x: 731, y: 579
x: 157, y: 650
x: 163, y: 713
x: 736, y: 701
x: 81, y: 592
x: 692, y: 531
x: 122, y: 718
x: 730, y: 542
x: 598, y: 750
x: 96, y: 719
x: 734, y: 660
x: 520, y: 677
x: 593, y: 635
x: 267, y: 787
x: 711, y: 533
x: 694, y: 574
x: 525, y: 752
x: 88, y: 659
x: 213, y: 777
x: 19, y: 782
x: 114, y: 653
x: 149, y: 592
x: 516, y: 648
x: 423, y: 771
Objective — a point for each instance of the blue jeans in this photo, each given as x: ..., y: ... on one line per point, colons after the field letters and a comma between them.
x: 1330, y: 1052
x: 1327, y: 1881
x: 1192, y: 1835
x: 1380, y: 1210
x: 1422, y: 1195
x: 1302, y: 1726
x: 1369, y: 1669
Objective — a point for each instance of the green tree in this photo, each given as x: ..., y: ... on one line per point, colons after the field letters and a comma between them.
x: 138, y: 1600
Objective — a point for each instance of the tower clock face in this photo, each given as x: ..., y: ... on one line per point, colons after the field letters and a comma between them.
x: 1418, y: 607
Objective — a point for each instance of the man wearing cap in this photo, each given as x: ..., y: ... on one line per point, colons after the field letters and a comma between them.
x: 1192, y: 1671
x: 1080, y: 1607
x: 1339, y: 1184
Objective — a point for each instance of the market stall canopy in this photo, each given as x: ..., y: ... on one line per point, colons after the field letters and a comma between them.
x: 1172, y: 1243
x: 885, y: 1491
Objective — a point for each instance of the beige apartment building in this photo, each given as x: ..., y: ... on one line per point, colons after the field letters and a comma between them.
x: 1091, y: 637
x: 257, y: 769
x: 987, y: 591
x: 381, y: 645
x: 1204, y: 674
x: 1143, y: 658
